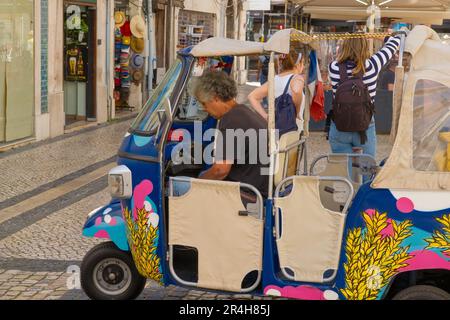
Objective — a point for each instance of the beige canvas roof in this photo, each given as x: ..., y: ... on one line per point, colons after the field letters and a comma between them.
x: 280, y: 42
x: 411, y: 11
x: 217, y: 47
x: 431, y: 61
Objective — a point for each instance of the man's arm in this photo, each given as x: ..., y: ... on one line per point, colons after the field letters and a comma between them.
x: 219, y: 171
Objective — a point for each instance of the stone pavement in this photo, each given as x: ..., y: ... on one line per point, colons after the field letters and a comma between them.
x: 41, y: 244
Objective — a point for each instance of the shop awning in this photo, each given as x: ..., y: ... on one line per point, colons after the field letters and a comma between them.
x: 216, y: 47
x: 410, y: 11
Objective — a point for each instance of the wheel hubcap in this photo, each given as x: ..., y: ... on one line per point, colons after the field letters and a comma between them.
x: 112, y: 276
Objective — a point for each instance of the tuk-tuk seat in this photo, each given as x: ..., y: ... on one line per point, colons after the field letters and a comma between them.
x: 311, y: 235
x: 288, y: 158
x: 212, y: 218
x: 338, y: 165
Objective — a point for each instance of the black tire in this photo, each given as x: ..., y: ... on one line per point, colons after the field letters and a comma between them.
x: 422, y: 293
x: 108, y: 273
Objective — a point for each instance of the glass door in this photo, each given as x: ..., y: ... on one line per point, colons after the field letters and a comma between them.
x: 16, y: 70
x: 79, y: 62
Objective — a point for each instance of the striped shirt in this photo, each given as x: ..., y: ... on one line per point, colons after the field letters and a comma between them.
x: 373, y: 67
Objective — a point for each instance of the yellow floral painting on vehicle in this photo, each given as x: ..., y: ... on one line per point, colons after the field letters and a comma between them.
x: 142, y: 232
x: 441, y: 240
x: 374, y: 255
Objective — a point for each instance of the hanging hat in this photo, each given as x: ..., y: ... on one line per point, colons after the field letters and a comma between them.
x: 126, y: 30
x: 117, y: 32
x: 126, y: 49
x: 137, y: 61
x: 138, y: 26
x: 137, y: 45
x: 137, y: 76
x: 120, y: 18
x: 126, y: 40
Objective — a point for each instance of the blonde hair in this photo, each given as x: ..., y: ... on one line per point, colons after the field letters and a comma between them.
x: 356, y: 50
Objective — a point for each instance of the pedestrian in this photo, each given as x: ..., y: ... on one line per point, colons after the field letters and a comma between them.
x: 289, y: 86
x: 353, y: 124
x: 234, y: 153
x: 263, y: 69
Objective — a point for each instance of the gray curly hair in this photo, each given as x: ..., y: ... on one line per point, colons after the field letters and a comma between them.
x: 214, y: 84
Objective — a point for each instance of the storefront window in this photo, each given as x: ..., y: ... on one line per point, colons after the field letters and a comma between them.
x: 431, y: 146
x: 16, y: 69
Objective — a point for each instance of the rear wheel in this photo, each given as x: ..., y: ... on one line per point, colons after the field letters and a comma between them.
x: 108, y: 273
x: 422, y: 293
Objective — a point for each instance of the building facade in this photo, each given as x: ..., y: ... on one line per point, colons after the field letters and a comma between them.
x: 60, y: 60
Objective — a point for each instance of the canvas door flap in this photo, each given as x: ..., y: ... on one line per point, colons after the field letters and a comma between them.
x: 229, y: 245
x: 311, y: 235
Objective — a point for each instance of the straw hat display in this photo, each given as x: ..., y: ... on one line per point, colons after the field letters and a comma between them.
x: 137, y: 61
x: 138, y: 27
x: 120, y: 18
x: 137, y: 76
x: 137, y: 45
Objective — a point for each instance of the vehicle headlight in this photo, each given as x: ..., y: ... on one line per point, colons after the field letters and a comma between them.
x: 120, y: 183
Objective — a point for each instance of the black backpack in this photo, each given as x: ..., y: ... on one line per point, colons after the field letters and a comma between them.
x: 353, y: 108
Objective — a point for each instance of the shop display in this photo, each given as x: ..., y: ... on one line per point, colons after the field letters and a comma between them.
x: 138, y: 76
x: 129, y: 61
x: 138, y: 27
x: 137, y: 45
x: 120, y: 18
x: 75, y: 45
x: 190, y: 35
x: 137, y: 61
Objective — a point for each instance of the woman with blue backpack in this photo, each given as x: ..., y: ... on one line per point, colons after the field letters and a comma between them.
x: 354, y: 77
x: 289, y: 85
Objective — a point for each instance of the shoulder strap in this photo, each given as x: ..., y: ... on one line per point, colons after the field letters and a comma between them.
x: 343, y: 71
x: 288, y: 84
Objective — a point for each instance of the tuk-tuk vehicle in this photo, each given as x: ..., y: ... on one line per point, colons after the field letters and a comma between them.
x: 346, y: 230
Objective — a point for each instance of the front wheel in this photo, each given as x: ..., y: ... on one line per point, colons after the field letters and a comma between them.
x: 108, y: 273
x: 422, y: 293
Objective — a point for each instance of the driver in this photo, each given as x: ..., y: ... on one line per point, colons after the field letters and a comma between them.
x: 241, y: 143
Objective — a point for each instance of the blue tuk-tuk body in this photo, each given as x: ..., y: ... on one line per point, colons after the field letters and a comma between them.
x: 380, y: 228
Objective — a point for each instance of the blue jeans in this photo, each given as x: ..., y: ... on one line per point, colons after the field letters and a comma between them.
x: 344, y: 142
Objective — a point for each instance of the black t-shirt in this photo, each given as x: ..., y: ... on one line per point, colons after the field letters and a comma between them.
x: 244, y: 141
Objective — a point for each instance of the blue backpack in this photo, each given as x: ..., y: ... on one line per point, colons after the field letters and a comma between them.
x: 285, y: 112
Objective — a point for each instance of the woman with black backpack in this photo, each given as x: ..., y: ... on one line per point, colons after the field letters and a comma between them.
x: 289, y: 85
x: 354, y: 77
